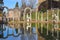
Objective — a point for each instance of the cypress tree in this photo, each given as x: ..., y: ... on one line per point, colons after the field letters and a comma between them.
x: 16, y: 4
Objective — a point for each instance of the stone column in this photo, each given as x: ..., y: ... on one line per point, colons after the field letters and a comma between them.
x: 47, y: 21
x: 36, y: 20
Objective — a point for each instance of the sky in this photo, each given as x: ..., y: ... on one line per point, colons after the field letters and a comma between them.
x: 11, y: 3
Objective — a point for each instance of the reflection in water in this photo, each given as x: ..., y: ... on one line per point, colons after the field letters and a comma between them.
x: 10, y: 34
x: 1, y: 32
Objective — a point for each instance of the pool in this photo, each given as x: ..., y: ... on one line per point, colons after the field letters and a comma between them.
x: 10, y: 34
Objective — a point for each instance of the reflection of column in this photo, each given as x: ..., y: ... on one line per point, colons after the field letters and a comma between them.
x: 47, y: 21
x: 19, y: 23
x: 36, y: 21
x: 52, y: 22
x: 13, y: 23
x: 13, y: 20
x: 30, y: 24
x: 57, y: 24
x: 28, y: 20
x: 41, y: 21
x: 24, y: 22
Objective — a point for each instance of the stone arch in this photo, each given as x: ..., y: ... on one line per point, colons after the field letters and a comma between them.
x: 49, y: 4
x: 28, y: 18
x: 28, y: 9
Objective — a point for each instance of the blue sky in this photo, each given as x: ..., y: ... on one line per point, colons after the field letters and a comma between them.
x: 11, y: 3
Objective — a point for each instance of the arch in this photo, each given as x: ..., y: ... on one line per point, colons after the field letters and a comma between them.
x: 48, y: 4
x: 28, y: 18
x: 27, y: 8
